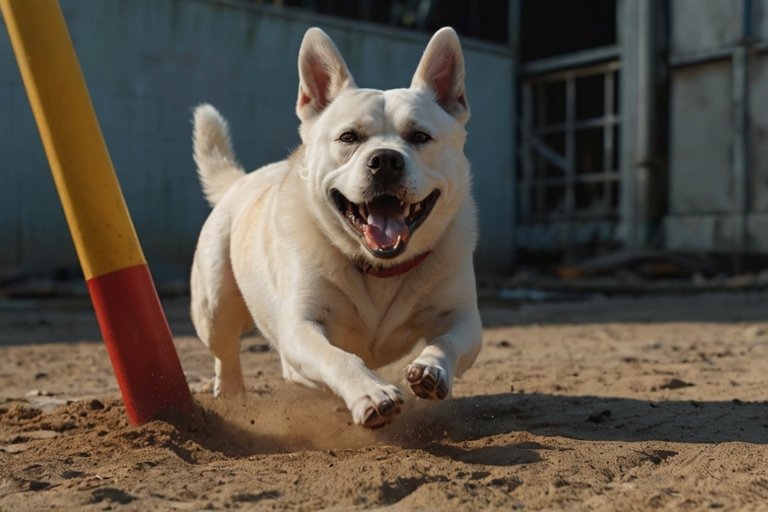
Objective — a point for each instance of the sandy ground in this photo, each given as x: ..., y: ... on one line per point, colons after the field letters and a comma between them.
x: 605, y: 404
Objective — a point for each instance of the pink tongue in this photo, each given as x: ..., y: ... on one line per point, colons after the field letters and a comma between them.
x: 386, y: 223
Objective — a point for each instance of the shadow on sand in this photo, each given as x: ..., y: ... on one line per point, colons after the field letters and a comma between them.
x: 474, y: 430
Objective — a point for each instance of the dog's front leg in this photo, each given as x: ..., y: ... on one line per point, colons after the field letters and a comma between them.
x: 372, y: 401
x: 431, y: 374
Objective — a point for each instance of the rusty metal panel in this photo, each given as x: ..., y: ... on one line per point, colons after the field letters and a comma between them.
x: 704, y: 25
x: 701, y: 140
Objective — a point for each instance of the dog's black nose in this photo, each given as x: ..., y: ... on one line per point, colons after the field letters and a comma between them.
x: 387, y: 165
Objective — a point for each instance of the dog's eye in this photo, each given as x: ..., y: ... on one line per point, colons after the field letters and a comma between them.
x: 419, y: 138
x: 349, y: 138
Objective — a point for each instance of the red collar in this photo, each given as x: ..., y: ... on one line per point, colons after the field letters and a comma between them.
x: 396, y: 270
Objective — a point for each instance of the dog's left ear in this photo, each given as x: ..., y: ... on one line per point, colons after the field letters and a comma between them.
x: 322, y: 74
x: 441, y: 71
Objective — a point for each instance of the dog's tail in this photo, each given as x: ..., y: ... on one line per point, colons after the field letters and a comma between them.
x: 217, y: 167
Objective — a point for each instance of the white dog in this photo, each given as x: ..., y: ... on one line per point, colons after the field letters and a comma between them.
x: 356, y: 247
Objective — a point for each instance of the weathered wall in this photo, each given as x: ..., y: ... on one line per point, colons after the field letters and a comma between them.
x: 147, y: 63
x: 705, y: 183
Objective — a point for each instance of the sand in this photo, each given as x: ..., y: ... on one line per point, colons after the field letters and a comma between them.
x: 655, y: 402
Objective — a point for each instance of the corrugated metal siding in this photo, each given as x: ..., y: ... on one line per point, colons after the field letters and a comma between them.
x: 147, y: 63
x: 32, y: 228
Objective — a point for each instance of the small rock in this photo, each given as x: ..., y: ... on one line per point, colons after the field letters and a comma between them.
x: 676, y: 384
x: 252, y: 498
x: 39, y: 392
x: 21, y: 412
x: 111, y: 494
x: 38, y: 485
x: 15, y: 448
x: 95, y: 405
x: 41, y: 434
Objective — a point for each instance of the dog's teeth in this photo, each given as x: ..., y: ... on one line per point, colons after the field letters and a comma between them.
x: 363, y: 211
x: 416, y: 208
x: 406, y: 209
x: 397, y: 242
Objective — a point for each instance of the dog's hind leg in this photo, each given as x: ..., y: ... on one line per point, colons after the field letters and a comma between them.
x: 220, y: 317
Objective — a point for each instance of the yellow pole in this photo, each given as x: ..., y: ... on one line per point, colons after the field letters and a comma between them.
x: 130, y: 316
x: 102, y: 231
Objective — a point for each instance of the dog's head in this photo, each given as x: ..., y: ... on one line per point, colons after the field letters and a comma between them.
x: 386, y: 170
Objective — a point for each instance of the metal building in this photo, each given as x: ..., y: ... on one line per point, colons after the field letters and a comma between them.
x: 597, y: 124
x: 643, y: 127
x: 148, y: 63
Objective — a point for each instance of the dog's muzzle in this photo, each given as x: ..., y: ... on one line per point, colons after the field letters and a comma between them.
x: 384, y: 223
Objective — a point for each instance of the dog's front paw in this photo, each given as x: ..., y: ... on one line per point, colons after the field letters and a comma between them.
x: 376, y: 409
x: 426, y: 381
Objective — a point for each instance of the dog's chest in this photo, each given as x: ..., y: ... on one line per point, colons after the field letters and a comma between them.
x: 381, y: 325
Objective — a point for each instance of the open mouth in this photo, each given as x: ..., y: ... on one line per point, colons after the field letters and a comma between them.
x: 385, y: 223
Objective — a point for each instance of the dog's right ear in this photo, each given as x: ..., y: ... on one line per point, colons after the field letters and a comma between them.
x: 322, y: 74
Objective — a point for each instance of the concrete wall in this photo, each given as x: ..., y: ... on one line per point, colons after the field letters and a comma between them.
x: 147, y: 63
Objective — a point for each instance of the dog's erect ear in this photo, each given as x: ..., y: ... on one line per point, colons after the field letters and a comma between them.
x: 322, y: 74
x: 441, y: 71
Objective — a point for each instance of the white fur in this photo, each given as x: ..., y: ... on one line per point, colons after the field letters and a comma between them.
x: 213, y: 153
x: 276, y: 252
